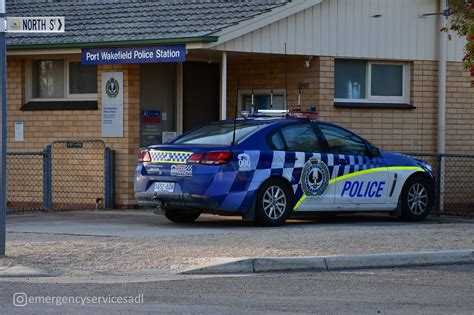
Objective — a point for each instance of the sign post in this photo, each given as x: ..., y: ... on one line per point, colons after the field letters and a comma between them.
x: 16, y: 25
x: 3, y: 129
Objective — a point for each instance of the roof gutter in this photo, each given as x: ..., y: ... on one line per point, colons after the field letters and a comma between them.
x: 144, y: 42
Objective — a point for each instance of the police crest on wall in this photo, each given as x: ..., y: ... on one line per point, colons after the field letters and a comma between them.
x: 112, y: 104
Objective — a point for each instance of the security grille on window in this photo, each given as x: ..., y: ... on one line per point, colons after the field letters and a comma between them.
x: 372, y: 82
x: 62, y: 80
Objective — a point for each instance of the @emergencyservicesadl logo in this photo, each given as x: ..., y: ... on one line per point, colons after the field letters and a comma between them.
x: 112, y: 88
x: 314, y: 178
x: 244, y: 162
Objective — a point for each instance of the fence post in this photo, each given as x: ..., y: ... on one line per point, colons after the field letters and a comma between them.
x: 109, y: 178
x: 47, y: 175
x: 441, y: 183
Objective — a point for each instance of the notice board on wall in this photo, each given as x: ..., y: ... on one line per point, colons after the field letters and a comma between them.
x: 112, y: 104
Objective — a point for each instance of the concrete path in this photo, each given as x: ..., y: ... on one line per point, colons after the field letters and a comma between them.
x: 123, y: 243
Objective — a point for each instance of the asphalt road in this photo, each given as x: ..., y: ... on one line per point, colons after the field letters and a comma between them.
x: 442, y: 290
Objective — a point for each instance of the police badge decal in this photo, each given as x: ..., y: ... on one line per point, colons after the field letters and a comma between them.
x: 112, y: 88
x: 314, y: 178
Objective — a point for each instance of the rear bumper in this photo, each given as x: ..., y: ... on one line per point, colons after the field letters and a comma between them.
x: 181, y: 200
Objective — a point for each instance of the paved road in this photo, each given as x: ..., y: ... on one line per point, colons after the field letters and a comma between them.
x: 441, y: 290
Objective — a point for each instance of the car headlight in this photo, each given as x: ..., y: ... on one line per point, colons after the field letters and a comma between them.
x: 428, y: 167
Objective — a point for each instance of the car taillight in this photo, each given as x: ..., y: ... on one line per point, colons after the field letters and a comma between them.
x: 210, y: 158
x: 144, y: 156
x: 216, y: 158
x: 195, y: 158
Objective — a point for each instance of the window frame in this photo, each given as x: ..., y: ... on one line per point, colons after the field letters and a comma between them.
x: 261, y: 92
x: 67, y: 95
x: 405, y: 98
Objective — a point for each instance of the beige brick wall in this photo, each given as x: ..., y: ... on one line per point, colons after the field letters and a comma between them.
x: 459, y: 109
x: 408, y: 130
x: 43, y: 127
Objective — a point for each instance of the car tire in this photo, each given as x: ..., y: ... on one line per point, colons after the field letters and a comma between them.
x: 182, y: 216
x: 273, y: 204
x: 416, y: 199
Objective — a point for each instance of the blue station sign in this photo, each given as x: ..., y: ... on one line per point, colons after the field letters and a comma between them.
x: 97, y: 56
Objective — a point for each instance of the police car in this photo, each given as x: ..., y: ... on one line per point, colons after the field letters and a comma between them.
x: 268, y: 169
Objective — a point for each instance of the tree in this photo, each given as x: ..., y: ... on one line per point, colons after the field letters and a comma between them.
x: 461, y: 21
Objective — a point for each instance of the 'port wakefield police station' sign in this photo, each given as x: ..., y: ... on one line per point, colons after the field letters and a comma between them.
x: 96, y: 56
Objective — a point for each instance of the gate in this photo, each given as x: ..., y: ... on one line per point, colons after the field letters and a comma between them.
x: 67, y: 175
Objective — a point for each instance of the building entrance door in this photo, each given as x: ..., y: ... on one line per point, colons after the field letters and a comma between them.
x: 157, y: 102
x: 200, y: 93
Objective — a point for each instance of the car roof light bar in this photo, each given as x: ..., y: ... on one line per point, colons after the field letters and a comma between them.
x: 280, y: 113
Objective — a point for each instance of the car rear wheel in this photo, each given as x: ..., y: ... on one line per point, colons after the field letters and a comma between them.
x: 417, y: 199
x: 182, y: 216
x: 273, y: 203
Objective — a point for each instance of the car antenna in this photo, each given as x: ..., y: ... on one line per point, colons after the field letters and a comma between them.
x: 235, y: 114
x: 252, y: 110
x: 271, y: 91
x: 286, y: 80
x: 299, y: 95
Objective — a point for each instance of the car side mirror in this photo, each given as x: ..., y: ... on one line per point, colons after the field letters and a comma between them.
x: 374, y: 151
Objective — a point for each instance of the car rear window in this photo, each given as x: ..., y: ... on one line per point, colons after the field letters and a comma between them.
x: 217, y: 134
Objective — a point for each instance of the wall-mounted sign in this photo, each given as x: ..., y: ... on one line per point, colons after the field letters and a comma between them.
x: 96, y: 56
x: 19, y: 131
x: 112, y: 104
x: 74, y: 145
x: 168, y: 136
x: 151, y: 116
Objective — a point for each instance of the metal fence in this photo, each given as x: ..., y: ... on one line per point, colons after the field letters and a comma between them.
x: 26, y: 181
x: 455, y: 189
x: 67, y: 175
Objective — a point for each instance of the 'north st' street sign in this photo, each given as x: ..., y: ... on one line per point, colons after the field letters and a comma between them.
x: 35, y: 24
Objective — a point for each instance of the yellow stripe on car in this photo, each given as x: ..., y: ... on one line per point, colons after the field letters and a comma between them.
x: 363, y: 172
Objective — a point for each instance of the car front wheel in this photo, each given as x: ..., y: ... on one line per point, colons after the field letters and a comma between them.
x: 273, y: 203
x: 417, y: 199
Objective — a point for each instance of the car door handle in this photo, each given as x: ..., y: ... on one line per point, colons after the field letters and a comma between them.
x: 342, y: 162
x: 292, y: 158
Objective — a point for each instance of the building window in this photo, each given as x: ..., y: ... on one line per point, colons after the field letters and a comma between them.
x: 262, y: 99
x: 62, y: 80
x: 371, y: 82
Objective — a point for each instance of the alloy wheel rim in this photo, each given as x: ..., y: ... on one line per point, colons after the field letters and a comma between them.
x: 274, y: 202
x: 417, y: 199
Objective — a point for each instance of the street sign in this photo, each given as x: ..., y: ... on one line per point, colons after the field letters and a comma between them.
x: 35, y: 24
x: 14, y: 25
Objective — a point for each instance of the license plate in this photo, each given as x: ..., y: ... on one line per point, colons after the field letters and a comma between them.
x: 167, y: 187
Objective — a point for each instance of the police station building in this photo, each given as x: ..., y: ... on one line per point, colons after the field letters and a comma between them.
x: 132, y: 73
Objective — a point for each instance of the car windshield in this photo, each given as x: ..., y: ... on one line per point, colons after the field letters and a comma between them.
x: 218, y: 134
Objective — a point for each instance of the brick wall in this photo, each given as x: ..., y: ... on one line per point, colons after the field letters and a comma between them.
x: 459, y: 109
x: 43, y: 127
x: 408, y: 130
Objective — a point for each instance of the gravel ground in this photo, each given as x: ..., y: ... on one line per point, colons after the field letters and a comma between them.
x: 88, y: 255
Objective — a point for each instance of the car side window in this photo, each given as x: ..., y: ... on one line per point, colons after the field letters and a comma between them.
x: 277, y: 142
x: 296, y: 138
x: 341, y: 141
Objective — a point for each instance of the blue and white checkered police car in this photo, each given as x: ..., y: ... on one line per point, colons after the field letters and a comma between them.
x: 268, y: 169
